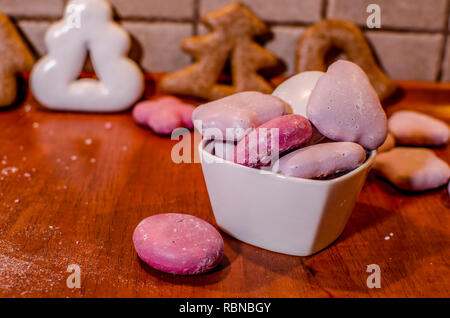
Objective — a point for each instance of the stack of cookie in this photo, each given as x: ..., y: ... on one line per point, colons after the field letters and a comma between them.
x: 255, y: 129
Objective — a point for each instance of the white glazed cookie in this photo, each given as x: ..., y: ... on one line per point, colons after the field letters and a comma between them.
x: 87, y: 25
x: 296, y: 90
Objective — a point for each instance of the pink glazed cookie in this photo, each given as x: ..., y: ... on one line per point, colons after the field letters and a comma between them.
x: 345, y: 107
x: 164, y: 114
x: 178, y: 243
x: 256, y: 149
x: 414, y: 169
x: 417, y: 129
x: 321, y: 160
x: 239, y: 113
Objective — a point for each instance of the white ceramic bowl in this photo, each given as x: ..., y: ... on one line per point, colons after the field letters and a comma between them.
x: 282, y: 214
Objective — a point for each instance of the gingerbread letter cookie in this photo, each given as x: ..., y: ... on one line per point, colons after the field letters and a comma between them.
x: 234, y: 27
x: 321, y: 38
x: 14, y: 57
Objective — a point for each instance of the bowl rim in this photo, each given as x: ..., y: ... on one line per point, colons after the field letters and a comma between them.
x: 366, y: 165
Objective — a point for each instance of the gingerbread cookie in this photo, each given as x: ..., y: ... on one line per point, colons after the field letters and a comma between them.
x: 413, y: 169
x: 233, y: 28
x: 388, y: 144
x: 320, y: 39
x: 14, y: 57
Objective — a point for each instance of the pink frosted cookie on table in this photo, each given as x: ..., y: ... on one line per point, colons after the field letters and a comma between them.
x: 345, y: 107
x: 164, y: 114
x: 239, y: 113
x: 414, y: 169
x: 178, y: 243
x: 271, y: 139
x: 417, y: 129
x: 321, y: 160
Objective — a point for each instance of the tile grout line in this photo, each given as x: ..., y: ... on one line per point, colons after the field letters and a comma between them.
x: 362, y: 27
x: 444, y: 45
x: 196, y: 13
x: 324, y: 9
x: 119, y: 19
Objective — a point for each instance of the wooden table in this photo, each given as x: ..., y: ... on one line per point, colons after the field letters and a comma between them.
x: 80, y: 189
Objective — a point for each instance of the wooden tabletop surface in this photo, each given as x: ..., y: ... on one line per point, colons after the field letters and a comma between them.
x: 74, y: 186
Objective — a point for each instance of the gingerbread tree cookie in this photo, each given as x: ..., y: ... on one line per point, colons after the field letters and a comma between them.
x: 233, y: 29
x: 14, y: 57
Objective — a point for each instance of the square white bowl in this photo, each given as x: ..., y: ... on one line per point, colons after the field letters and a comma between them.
x: 283, y: 214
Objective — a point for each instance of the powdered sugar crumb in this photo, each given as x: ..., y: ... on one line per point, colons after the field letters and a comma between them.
x: 8, y: 170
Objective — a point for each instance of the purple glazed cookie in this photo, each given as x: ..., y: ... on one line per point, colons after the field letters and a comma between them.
x: 345, y: 107
x: 321, y: 160
x: 178, y: 243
